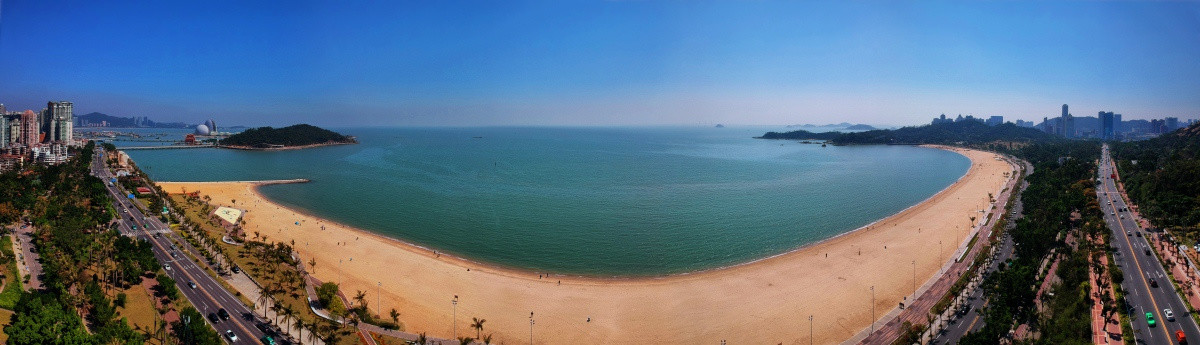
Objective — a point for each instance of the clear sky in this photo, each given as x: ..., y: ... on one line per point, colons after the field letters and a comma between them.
x: 600, y: 63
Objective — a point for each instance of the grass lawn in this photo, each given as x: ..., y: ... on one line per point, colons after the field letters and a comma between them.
x: 12, y: 279
x: 5, y: 317
x: 266, y: 273
x: 139, y: 309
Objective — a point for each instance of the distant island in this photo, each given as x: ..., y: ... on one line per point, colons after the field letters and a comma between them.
x: 290, y: 137
x: 942, y: 133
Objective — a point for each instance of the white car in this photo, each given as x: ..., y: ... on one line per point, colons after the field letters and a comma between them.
x: 1170, y: 316
x: 167, y: 267
x: 229, y: 334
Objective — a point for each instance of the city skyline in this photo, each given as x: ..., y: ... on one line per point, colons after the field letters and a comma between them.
x: 890, y: 64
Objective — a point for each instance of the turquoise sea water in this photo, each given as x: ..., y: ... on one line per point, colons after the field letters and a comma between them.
x: 589, y: 201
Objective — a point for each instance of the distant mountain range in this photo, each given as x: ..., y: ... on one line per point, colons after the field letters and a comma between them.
x: 95, y: 118
x: 843, y: 125
x: 942, y: 133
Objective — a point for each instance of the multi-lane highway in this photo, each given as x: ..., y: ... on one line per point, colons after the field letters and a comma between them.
x: 196, y: 285
x: 1140, y: 266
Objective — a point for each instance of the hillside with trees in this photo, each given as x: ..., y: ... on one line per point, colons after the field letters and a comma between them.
x: 962, y: 132
x: 1160, y: 176
x: 295, y: 136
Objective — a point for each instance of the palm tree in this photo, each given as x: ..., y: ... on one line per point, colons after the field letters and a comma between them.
x: 487, y: 339
x: 361, y: 296
x: 299, y: 326
x: 262, y: 296
x: 313, y: 264
x: 289, y: 314
x: 421, y: 339
x: 465, y: 340
x: 395, y: 316
x: 477, y: 324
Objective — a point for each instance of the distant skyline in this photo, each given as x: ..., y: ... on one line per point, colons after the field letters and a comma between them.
x: 421, y: 63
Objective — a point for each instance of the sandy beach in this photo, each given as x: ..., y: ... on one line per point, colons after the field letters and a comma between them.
x: 763, y: 302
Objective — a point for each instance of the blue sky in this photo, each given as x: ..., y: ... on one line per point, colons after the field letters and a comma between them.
x: 600, y: 63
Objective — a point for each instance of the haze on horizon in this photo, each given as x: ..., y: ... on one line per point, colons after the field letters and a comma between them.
x: 601, y: 63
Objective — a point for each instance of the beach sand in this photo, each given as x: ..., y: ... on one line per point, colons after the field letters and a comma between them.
x: 763, y: 302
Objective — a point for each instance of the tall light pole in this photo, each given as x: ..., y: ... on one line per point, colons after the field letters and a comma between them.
x: 454, y: 322
x: 914, y: 300
x: 377, y: 305
x: 872, y: 308
x: 531, y: 328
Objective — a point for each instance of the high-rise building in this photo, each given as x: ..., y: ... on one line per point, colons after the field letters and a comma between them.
x: 1116, y: 125
x: 3, y: 128
x: 1066, y: 124
x: 58, y: 121
x: 994, y: 120
x: 30, y: 136
x: 1171, y: 123
x: 12, y: 129
x: 1106, y: 125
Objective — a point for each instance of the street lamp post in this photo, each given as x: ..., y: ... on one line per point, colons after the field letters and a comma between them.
x: 914, y: 300
x: 810, y: 328
x: 377, y: 305
x: 872, y: 308
x: 454, y: 316
x: 531, y: 329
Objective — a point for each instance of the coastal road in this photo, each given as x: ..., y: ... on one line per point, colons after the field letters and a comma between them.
x: 973, y: 321
x: 917, y: 311
x: 1139, y: 264
x: 208, y: 296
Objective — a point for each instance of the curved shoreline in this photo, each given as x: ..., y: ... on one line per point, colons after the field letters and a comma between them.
x: 520, y: 272
x: 635, y: 309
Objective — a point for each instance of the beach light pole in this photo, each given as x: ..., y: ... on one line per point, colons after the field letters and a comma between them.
x: 531, y: 328
x: 872, y: 308
x: 377, y: 305
x: 914, y: 300
x: 454, y: 316
x: 810, y: 336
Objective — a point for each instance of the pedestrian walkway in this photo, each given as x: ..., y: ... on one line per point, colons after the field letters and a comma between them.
x: 934, y: 289
x: 1104, y: 330
x: 29, y: 265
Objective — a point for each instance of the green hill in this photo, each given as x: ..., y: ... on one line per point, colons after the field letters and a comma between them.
x: 290, y: 136
x: 970, y: 132
x: 1161, y: 176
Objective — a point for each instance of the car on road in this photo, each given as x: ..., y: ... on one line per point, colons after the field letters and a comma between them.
x: 191, y: 284
x: 213, y: 317
x: 1147, y: 251
x: 229, y: 334
x: 1168, y: 314
x: 1180, y: 337
x: 223, y: 314
x: 1153, y: 283
x: 167, y: 267
x: 1128, y: 233
x: 1150, y: 319
x: 1139, y: 234
x: 236, y: 270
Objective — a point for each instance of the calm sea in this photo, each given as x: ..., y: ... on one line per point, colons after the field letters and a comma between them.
x: 592, y: 201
